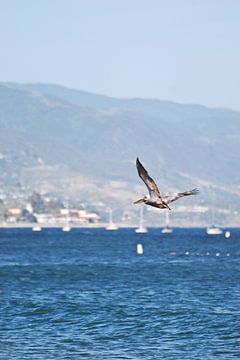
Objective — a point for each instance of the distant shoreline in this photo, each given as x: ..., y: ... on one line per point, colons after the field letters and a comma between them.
x: 31, y: 225
x: 102, y: 226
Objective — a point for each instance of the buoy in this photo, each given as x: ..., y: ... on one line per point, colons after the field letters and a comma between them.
x: 139, y: 249
x: 217, y: 254
x: 186, y: 253
x: 227, y: 234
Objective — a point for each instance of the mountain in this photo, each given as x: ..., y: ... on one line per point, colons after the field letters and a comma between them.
x: 51, y: 135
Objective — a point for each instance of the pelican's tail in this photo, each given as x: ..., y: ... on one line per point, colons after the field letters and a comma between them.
x: 166, y: 205
x: 139, y: 201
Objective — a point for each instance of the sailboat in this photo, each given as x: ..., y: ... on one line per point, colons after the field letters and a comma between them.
x: 213, y: 230
x: 167, y: 229
x: 67, y: 227
x: 36, y: 228
x: 111, y: 225
x: 141, y: 229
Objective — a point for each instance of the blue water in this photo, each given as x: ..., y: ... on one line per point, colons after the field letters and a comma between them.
x: 86, y: 294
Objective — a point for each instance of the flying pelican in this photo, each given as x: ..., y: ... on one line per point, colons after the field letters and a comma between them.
x: 154, y: 198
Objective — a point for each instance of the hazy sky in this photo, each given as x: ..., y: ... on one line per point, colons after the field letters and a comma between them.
x: 181, y: 50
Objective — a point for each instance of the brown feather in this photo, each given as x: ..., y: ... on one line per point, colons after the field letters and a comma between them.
x: 149, y: 182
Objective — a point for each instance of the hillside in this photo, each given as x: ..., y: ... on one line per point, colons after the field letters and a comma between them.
x: 52, y: 136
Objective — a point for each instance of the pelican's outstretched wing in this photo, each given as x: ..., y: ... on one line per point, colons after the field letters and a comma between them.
x: 149, y: 182
x: 175, y: 196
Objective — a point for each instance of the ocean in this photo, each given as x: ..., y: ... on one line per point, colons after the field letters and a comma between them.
x: 87, y: 294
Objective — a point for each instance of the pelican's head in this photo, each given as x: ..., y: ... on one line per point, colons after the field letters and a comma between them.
x: 144, y: 199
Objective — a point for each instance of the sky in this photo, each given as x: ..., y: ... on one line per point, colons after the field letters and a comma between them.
x: 180, y: 50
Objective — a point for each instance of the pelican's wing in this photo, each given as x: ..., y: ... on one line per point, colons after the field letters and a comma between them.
x: 149, y: 182
x: 175, y: 196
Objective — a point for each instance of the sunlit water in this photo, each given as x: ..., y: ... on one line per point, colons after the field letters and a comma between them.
x: 87, y: 294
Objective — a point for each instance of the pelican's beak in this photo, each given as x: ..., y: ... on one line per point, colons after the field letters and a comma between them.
x: 139, y: 201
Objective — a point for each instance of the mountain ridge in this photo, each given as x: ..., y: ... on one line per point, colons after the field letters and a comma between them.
x: 50, y: 88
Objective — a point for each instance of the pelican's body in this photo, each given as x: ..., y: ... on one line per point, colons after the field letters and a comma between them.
x: 156, y: 203
x: 154, y: 198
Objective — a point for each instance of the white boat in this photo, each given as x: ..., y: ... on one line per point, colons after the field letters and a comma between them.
x: 111, y: 225
x: 167, y: 229
x: 213, y: 230
x: 66, y: 228
x: 141, y: 229
x: 36, y: 228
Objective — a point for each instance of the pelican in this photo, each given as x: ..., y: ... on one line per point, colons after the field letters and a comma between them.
x: 154, y: 198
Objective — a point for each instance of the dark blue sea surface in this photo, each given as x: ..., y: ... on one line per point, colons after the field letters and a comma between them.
x: 87, y: 294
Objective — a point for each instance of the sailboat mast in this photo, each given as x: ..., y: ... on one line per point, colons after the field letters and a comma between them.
x: 167, y: 218
x: 141, y: 228
x: 110, y: 216
x: 141, y: 217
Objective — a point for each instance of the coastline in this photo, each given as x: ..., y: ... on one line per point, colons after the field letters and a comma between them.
x: 102, y: 226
